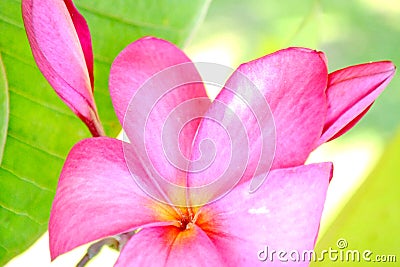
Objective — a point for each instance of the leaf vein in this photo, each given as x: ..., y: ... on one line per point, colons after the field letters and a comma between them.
x: 3, y: 247
x: 20, y: 59
x: 11, y: 22
x: 127, y: 22
x: 36, y: 147
x: 41, y: 103
x: 21, y: 213
x: 26, y: 180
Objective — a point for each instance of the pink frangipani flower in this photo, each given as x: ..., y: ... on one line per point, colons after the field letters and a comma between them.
x: 62, y: 47
x: 97, y: 197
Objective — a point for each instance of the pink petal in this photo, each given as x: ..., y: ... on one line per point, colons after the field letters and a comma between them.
x: 97, y: 197
x: 62, y: 52
x: 292, y: 81
x: 168, y: 246
x: 155, y: 120
x: 138, y: 62
x: 284, y: 214
x: 83, y: 32
x: 351, y: 91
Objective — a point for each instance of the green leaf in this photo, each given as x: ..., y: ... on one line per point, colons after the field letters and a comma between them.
x: 4, y: 110
x: 41, y: 128
x: 370, y: 220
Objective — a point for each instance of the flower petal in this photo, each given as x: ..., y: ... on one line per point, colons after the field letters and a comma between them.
x: 61, y: 46
x: 96, y: 197
x: 150, y: 77
x: 284, y: 214
x: 140, y: 61
x: 85, y: 39
x: 168, y: 246
x: 351, y: 91
x: 292, y: 81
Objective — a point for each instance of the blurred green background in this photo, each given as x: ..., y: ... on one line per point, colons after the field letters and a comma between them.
x: 363, y: 204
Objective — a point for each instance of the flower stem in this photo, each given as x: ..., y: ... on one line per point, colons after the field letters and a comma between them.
x: 95, y: 248
x: 94, y: 124
x: 96, y: 128
x: 115, y: 242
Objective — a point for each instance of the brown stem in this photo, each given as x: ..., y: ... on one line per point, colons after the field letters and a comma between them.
x: 95, y: 248
x: 116, y: 242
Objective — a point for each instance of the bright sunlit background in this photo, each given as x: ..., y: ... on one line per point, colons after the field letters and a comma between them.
x: 361, y: 207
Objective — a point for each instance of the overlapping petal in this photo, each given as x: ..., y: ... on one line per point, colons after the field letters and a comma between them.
x: 351, y: 91
x: 154, y: 120
x: 284, y: 214
x: 96, y: 197
x: 293, y: 82
x: 140, y: 61
x: 170, y: 247
x: 85, y: 39
x: 61, y: 45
